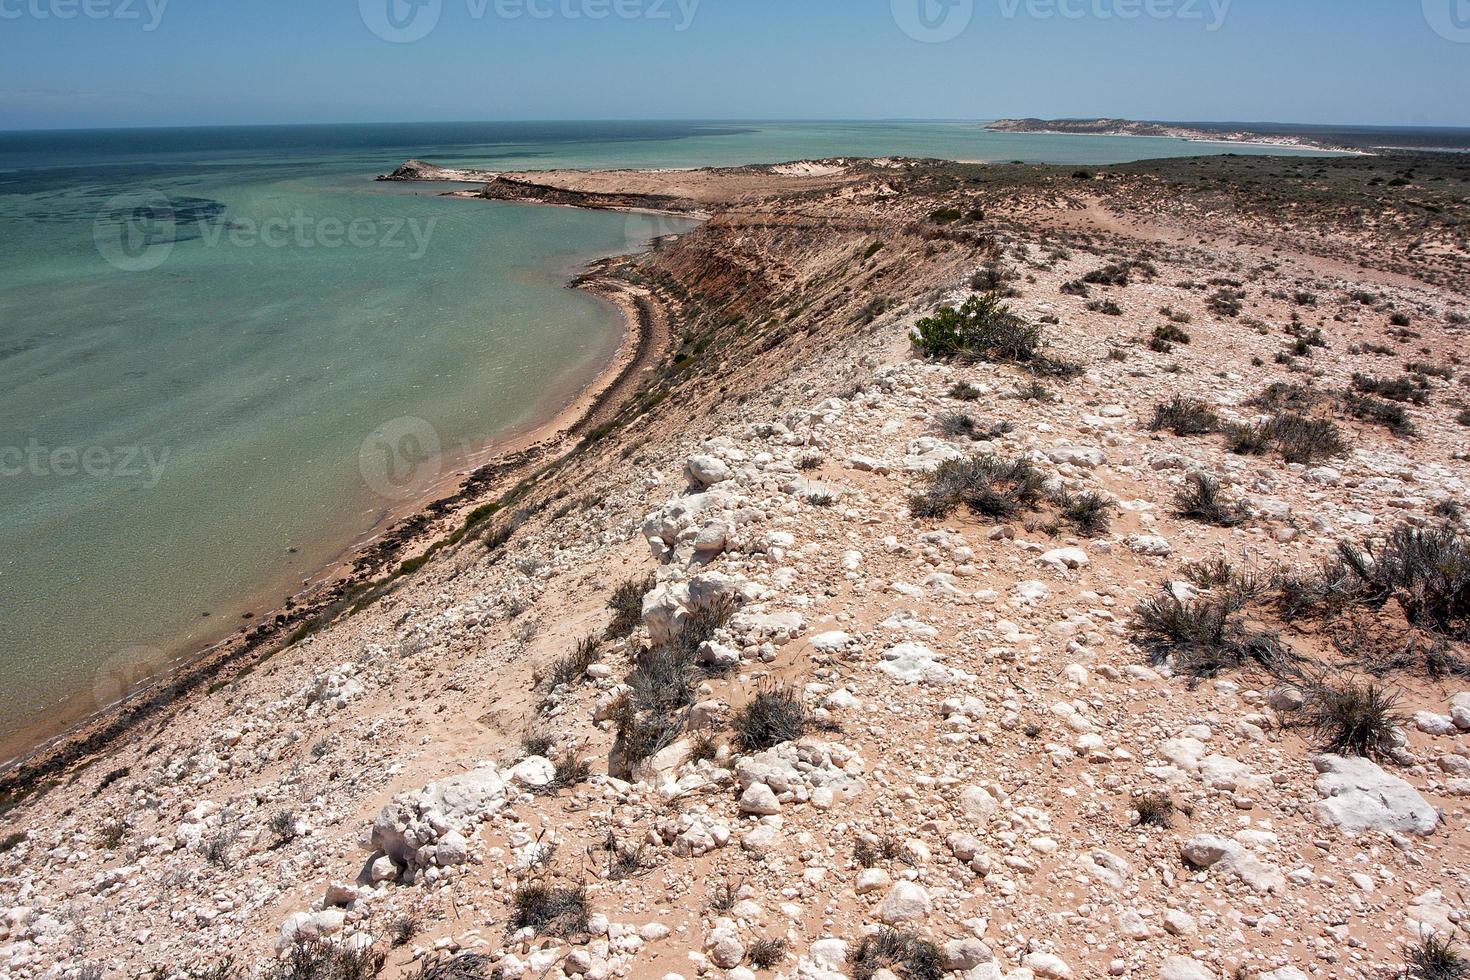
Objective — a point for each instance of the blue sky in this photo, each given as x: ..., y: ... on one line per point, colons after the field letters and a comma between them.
x: 190, y: 62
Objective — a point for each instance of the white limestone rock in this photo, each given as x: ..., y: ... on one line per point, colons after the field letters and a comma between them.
x: 905, y: 902
x: 1358, y: 796
x: 705, y: 471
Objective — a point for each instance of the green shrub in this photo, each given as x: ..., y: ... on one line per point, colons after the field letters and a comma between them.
x: 983, y: 328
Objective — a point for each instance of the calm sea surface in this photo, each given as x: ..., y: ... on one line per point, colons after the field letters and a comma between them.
x: 226, y: 354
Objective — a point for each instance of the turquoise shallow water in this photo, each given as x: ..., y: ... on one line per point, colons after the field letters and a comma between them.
x: 226, y: 354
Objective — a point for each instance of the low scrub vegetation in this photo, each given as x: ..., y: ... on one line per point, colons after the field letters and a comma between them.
x: 665, y: 681
x: 1394, y: 389
x: 1353, y: 719
x: 983, y: 328
x: 1203, y: 637
x: 572, y: 667
x: 990, y: 486
x: 1168, y: 333
x: 1154, y: 810
x: 1297, y: 438
x: 1202, y: 500
x: 570, y: 771
x: 550, y: 910
x: 773, y: 716
x: 319, y: 959
x: 1226, y: 302
x: 626, y: 604
x: 1390, y: 415
x: 1185, y: 417
x: 767, y: 953
x: 1280, y: 396
x: 1300, y: 439
x: 900, y: 953
x: 460, y: 966
x: 1090, y: 513
x: 1434, y: 958
x: 1426, y: 572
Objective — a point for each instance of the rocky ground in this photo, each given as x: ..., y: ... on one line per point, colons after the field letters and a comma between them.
x: 924, y: 744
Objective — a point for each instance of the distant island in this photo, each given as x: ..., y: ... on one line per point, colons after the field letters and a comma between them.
x: 1222, y: 132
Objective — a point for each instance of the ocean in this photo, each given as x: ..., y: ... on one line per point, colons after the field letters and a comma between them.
x: 227, y: 355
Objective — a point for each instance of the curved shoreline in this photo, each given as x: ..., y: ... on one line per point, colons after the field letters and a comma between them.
x: 406, y: 532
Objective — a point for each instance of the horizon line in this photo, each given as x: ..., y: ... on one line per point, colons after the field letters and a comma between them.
x: 718, y: 120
